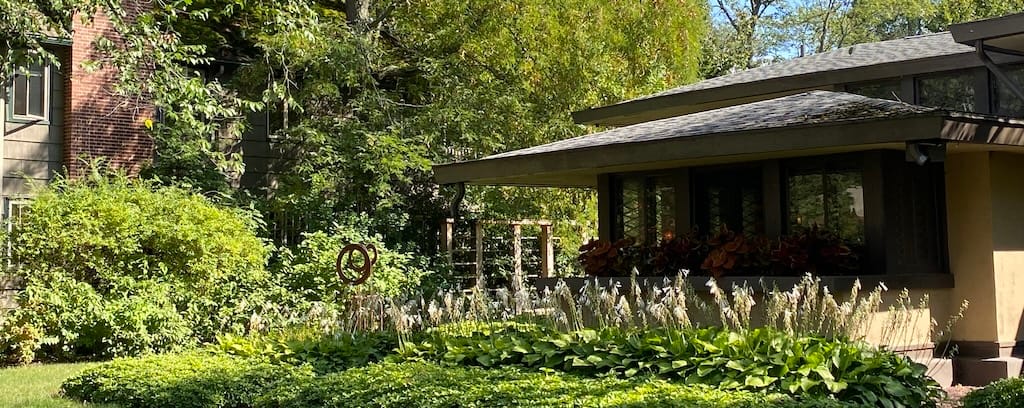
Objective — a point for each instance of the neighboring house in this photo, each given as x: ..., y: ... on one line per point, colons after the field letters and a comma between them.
x: 58, y: 119
x: 55, y: 118
x: 928, y: 191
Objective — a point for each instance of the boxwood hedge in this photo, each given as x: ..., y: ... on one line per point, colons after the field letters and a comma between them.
x: 198, y: 380
x: 193, y: 380
x: 425, y: 385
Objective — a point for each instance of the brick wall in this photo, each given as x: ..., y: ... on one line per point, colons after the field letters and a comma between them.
x: 97, y: 123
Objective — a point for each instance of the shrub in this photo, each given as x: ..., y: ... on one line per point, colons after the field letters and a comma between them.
x: 114, y: 266
x: 1003, y: 393
x: 310, y: 269
x: 76, y: 320
x: 429, y: 386
x: 195, y: 380
x: 755, y: 360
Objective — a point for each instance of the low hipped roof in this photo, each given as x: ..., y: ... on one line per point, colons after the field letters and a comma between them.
x: 809, y: 123
x: 858, y: 63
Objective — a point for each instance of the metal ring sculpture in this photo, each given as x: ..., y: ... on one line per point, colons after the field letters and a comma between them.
x: 363, y: 269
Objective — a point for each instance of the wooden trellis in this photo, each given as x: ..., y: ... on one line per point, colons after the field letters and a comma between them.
x: 546, y: 243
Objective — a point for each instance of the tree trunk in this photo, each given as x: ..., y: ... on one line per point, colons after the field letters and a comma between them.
x: 357, y: 11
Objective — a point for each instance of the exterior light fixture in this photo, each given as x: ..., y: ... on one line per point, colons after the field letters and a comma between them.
x: 922, y: 153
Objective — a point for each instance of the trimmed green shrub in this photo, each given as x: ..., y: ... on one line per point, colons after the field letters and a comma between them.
x: 325, y: 354
x: 310, y: 271
x: 194, y: 380
x: 1003, y: 393
x: 755, y: 360
x: 115, y: 266
x: 430, y: 386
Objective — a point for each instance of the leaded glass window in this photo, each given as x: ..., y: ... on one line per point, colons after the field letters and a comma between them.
x: 729, y: 198
x: 645, y: 208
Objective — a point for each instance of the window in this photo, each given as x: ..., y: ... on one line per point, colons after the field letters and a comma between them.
x: 645, y: 208
x: 955, y: 92
x: 1004, y: 102
x: 29, y: 93
x: 829, y: 199
x: 729, y: 198
x: 880, y: 90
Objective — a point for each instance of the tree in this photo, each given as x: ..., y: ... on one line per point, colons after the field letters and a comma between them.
x: 433, y: 81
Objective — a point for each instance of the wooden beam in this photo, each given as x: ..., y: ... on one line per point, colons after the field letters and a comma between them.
x: 517, y: 252
x: 605, y: 210
x: 547, y: 252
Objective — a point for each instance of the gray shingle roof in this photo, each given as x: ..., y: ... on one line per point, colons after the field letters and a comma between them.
x: 904, y: 49
x: 806, y: 109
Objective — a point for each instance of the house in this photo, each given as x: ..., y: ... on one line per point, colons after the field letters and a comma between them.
x: 909, y: 152
x: 56, y: 118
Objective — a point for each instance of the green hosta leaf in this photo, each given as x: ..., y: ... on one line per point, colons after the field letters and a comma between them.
x: 835, y: 386
x: 759, y: 381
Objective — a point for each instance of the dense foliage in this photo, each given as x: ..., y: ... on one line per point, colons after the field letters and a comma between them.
x: 193, y: 380
x: 757, y: 360
x: 113, y: 267
x: 204, y: 381
x: 1003, y: 393
x: 431, y: 386
x: 309, y: 270
x: 325, y: 354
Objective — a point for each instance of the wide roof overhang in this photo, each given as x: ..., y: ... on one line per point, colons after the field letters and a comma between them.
x: 1003, y: 34
x: 801, y: 125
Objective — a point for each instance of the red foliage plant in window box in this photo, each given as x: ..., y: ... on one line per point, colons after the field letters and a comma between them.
x: 815, y: 250
x: 733, y: 251
x: 603, y: 258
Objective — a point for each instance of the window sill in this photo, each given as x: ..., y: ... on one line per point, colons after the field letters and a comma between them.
x: 837, y: 284
x: 28, y: 121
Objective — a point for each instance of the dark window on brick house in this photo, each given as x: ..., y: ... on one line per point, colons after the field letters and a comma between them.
x: 29, y: 93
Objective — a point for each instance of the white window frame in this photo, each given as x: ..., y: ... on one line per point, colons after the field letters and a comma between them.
x: 10, y: 204
x: 43, y: 72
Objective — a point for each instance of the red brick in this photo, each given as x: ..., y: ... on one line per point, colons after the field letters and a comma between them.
x: 99, y: 124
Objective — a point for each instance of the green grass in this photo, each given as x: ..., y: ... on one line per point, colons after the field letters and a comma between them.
x: 36, y: 386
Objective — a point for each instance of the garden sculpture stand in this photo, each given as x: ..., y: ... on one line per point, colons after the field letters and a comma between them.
x: 347, y: 263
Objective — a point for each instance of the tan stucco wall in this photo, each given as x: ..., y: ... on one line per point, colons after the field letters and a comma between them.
x: 985, y: 216
x: 1007, y: 180
x: 969, y: 226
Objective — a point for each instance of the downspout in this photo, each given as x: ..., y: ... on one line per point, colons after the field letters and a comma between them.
x: 460, y: 193
x: 979, y: 46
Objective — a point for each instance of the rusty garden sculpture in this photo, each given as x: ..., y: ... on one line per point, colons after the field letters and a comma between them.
x: 348, y: 263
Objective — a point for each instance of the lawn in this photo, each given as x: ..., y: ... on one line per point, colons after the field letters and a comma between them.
x: 36, y: 386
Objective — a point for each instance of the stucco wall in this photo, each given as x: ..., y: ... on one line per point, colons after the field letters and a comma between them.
x: 1007, y: 179
x: 969, y: 226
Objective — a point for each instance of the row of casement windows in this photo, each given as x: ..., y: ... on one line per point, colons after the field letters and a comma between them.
x: 827, y: 197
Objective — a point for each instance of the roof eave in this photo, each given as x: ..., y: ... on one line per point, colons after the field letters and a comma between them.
x: 659, y: 107
x: 604, y: 159
x: 971, y: 32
